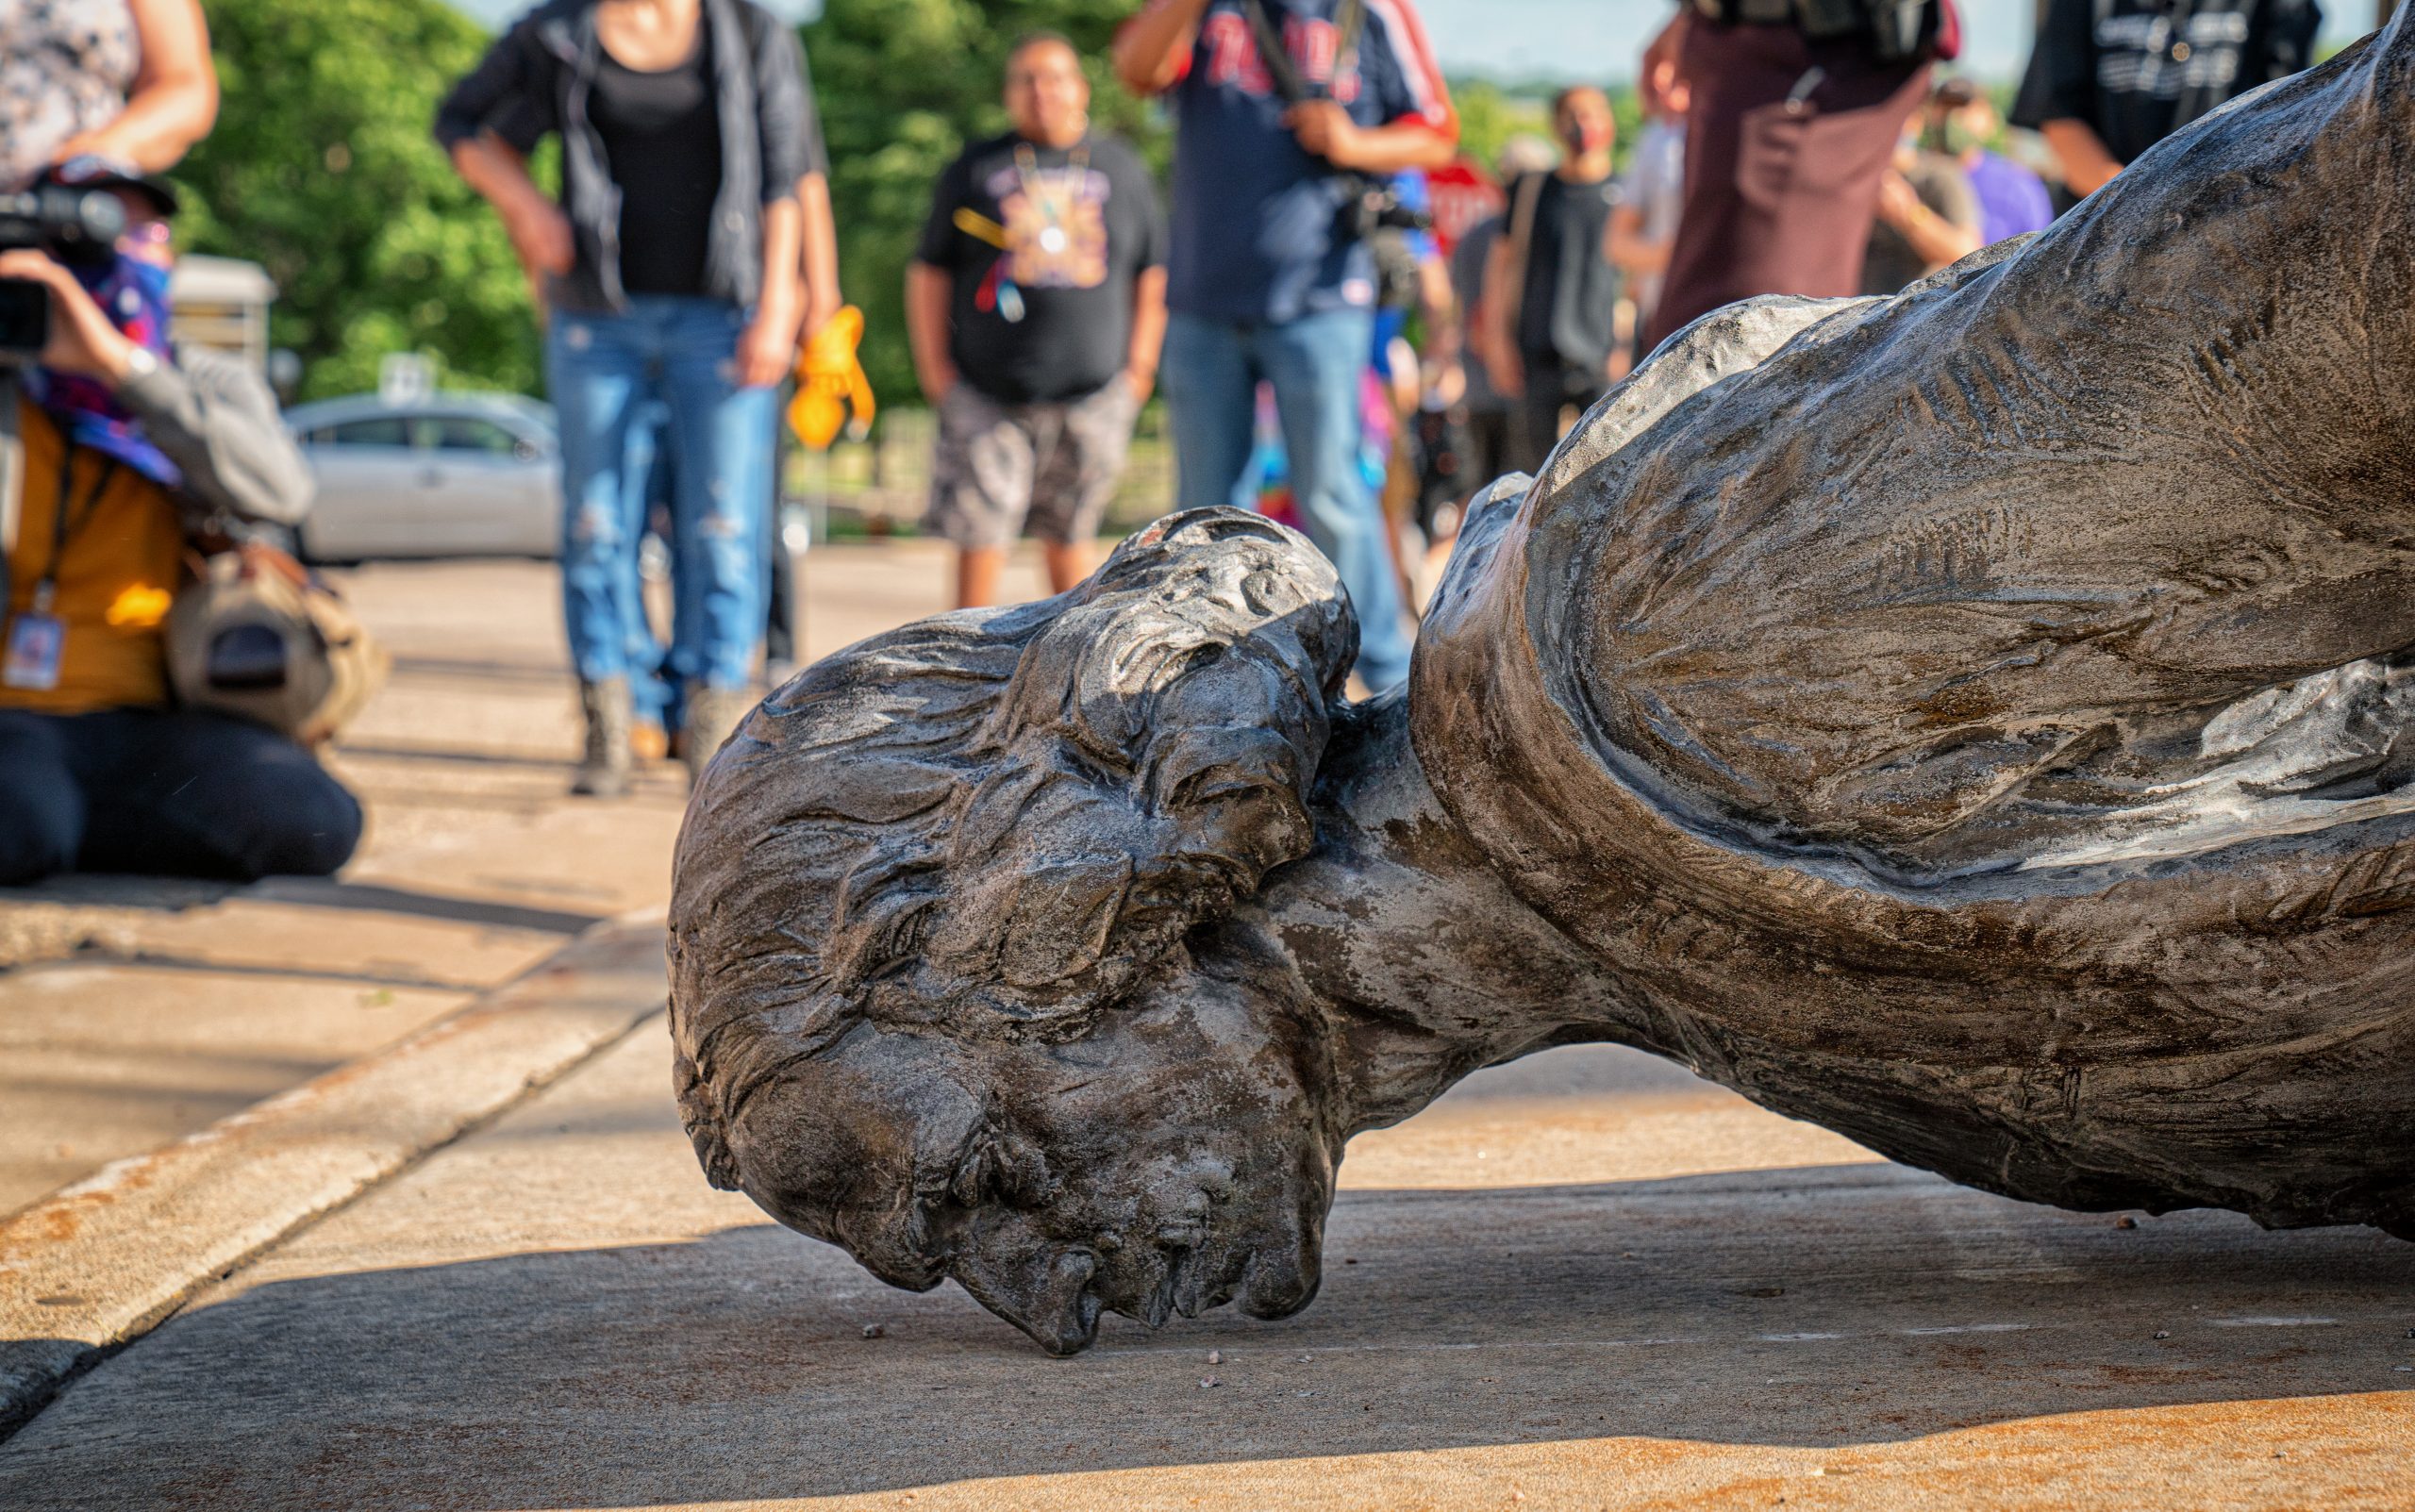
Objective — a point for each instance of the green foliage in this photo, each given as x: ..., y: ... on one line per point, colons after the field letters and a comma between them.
x: 903, y: 85
x: 1488, y: 118
x: 322, y: 169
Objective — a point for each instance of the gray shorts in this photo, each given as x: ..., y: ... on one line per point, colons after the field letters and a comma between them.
x: 998, y: 466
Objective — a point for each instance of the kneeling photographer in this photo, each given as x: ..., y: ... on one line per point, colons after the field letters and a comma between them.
x: 128, y: 456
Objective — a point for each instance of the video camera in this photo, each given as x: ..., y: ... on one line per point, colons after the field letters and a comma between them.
x: 72, y: 225
x: 1372, y: 204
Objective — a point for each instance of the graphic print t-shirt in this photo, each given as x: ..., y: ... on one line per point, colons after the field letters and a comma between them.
x: 2138, y: 70
x: 1042, y: 246
x: 1252, y: 213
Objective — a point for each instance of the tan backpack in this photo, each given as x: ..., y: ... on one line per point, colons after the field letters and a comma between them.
x: 255, y: 635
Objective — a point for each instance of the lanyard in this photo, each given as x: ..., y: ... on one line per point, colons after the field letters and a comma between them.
x: 1027, y: 165
x: 64, y: 527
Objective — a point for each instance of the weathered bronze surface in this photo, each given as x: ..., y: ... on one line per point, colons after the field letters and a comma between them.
x: 1975, y: 721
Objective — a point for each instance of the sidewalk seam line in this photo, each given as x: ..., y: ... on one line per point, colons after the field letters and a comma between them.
x: 15, y: 1416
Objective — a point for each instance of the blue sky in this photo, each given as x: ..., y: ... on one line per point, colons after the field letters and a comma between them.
x: 1599, y: 39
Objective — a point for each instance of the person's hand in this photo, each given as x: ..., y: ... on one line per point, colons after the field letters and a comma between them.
x: 1144, y: 384
x: 82, y: 341
x: 1326, y: 130
x: 767, y: 348
x: 1899, y: 204
x: 1660, y: 73
x: 1447, y: 382
x: 937, y: 383
x: 541, y: 236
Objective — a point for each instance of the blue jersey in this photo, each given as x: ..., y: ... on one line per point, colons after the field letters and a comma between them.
x: 1254, y: 215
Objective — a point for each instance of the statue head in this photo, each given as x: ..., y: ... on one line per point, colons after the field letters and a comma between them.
x: 933, y: 991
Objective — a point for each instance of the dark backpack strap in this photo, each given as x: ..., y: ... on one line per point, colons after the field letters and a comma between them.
x: 1349, y: 21
x: 1273, y: 54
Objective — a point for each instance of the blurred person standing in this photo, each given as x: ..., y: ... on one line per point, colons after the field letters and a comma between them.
x: 126, y: 81
x: 1288, y: 112
x: 1928, y: 217
x: 1488, y: 417
x: 134, y: 450
x: 671, y: 274
x: 1644, y: 223
x: 2111, y: 78
x: 1794, y: 109
x: 1036, y: 303
x: 2012, y: 200
x: 1551, y: 294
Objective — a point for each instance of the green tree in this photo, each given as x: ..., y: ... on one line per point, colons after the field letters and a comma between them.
x: 323, y: 170
x: 903, y: 85
x: 1488, y: 118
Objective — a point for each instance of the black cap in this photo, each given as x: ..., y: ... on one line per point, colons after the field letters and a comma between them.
x: 91, y: 171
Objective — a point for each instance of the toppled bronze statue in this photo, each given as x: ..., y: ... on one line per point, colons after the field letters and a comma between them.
x: 1976, y: 721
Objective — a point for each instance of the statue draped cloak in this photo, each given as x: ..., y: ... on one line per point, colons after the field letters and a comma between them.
x: 1978, y: 719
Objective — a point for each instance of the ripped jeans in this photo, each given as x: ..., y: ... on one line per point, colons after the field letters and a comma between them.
x: 605, y: 371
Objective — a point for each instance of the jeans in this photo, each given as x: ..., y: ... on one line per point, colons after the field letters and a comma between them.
x: 655, y: 697
x: 605, y: 369
x: 1211, y: 370
x: 168, y: 792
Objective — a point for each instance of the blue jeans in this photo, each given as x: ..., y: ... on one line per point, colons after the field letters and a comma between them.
x: 1211, y: 370
x: 605, y: 369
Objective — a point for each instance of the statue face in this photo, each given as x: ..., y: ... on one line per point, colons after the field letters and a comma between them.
x: 1176, y: 1159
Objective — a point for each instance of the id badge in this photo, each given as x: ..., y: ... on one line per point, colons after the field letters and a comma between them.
x: 35, y: 643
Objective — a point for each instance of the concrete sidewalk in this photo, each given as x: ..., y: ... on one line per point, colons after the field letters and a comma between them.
x: 138, y: 1011
x: 557, y: 1312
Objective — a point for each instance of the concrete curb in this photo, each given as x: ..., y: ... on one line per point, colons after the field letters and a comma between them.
x: 100, y: 1263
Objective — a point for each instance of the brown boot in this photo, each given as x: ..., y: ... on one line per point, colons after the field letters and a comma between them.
x: 604, y: 769
x: 713, y: 715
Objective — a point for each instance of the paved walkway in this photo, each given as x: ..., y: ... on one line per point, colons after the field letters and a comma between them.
x: 557, y: 1312
x: 1583, y: 1280
x: 140, y: 1011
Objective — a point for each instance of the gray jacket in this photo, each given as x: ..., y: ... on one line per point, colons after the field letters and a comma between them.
x: 213, y: 417
x: 537, y: 79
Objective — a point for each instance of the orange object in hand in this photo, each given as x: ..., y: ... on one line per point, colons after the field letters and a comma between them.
x: 830, y: 381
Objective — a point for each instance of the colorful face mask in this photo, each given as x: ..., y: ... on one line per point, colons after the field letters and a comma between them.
x: 132, y: 290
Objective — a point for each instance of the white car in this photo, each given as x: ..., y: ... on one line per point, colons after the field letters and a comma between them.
x: 454, y: 474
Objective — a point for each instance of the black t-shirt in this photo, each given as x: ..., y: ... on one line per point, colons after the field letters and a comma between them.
x: 1569, y: 307
x: 1043, y: 278
x: 2137, y: 71
x: 661, y: 135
